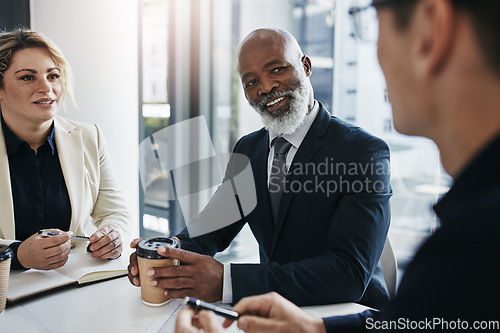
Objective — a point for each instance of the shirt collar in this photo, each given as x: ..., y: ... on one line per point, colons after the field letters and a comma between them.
x: 51, y: 139
x: 13, y: 143
x: 298, y: 136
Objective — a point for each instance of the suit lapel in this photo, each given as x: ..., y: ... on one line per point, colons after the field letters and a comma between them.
x: 308, y: 148
x: 7, y: 226
x: 70, y: 149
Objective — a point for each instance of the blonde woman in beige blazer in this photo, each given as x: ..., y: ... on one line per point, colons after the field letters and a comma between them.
x: 34, y: 79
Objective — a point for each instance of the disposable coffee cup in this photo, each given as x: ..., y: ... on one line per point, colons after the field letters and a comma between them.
x: 5, y: 258
x: 148, y: 257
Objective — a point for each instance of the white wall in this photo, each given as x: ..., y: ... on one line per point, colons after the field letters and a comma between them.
x: 99, y: 39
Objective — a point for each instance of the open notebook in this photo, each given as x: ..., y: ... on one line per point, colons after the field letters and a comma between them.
x: 81, y: 268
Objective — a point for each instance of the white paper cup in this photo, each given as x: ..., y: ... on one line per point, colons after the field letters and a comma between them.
x: 5, y: 259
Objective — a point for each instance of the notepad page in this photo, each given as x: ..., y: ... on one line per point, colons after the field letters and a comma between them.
x: 33, y: 281
x: 83, y: 268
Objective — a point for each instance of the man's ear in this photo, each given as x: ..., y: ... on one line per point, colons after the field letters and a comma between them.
x: 434, y: 25
x: 306, y: 62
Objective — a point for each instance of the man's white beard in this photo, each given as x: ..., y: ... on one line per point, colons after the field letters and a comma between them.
x: 287, y: 122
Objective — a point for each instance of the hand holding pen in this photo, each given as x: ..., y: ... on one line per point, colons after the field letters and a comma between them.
x: 43, y: 252
x: 201, y: 315
x: 55, y: 233
x: 105, y: 243
x: 198, y: 305
x: 263, y: 313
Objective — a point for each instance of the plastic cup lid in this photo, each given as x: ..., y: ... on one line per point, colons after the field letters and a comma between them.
x: 5, y: 252
x: 147, y: 248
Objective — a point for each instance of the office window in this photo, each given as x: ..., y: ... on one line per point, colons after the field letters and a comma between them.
x: 311, y: 22
x: 189, y: 69
x: 155, y: 114
x: 417, y: 177
x: 212, y: 33
x: 14, y: 13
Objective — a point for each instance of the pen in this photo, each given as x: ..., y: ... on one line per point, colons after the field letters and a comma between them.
x: 54, y: 233
x: 200, y: 305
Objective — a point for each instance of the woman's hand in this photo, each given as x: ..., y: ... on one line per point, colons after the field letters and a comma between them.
x: 45, y: 252
x: 106, y: 243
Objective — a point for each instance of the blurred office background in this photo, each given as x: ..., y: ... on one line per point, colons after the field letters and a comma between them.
x: 141, y: 65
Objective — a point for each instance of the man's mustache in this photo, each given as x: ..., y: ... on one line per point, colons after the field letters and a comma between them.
x: 262, y: 103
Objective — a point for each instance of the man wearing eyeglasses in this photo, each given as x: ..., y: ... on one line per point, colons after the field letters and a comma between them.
x: 441, y: 60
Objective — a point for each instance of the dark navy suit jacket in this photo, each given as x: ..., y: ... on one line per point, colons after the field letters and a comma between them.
x: 452, y: 282
x: 325, y: 247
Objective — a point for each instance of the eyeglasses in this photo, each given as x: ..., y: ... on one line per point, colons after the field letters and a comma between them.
x: 365, y: 21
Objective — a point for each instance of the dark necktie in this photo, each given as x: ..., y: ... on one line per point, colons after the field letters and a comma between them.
x: 278, y: 174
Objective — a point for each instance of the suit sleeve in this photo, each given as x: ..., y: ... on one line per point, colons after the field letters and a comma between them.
x: 110, y: 207
x: 354, y: 323
x: 355, y: 240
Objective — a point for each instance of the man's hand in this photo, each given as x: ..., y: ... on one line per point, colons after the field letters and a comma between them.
x: 273, y: 313
x: 133, y: 266
x: 188, y: 321
x: 106, y: 243
x: 45, y: 252
x: 198, y: 275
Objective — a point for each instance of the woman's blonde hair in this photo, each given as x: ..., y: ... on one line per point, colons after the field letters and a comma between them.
x: 20, y: 39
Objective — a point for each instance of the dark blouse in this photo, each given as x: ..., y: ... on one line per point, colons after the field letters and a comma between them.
x: 39, y: 191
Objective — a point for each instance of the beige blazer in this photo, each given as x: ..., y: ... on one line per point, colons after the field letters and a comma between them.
x: 88, y: 172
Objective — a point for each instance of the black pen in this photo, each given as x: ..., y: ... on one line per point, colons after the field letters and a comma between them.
x: 200, y: 305
x: 54, y: 233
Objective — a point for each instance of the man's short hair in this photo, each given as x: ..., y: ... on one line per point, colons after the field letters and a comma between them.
x: 484, y: 17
